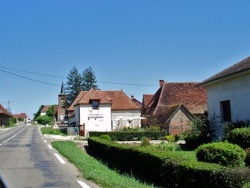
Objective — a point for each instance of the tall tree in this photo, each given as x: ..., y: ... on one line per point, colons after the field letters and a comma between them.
x: 88, y: 79
x: 74, y: 86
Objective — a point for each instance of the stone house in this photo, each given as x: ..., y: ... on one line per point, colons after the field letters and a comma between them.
x: 228, y: 94
x: 174, y: 105
x: 96, y: 110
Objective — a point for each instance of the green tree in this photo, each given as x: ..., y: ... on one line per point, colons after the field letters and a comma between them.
x: 50, y: 111
x: 74, y: 86
x: 88, y: 79
x: 45, y: 119
x: 38, y: 112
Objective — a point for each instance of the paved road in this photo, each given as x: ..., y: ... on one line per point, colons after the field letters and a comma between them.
x: 27, y: 160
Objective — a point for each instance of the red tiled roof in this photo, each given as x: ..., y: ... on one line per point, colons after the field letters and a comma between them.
x: 4, y: 111
x: 118, y: 99
x: 239, y: 67
x: 190, y: 94
x: 146, y: 100
x: 78, y: 98
x: 46, y: 108
x: 21, y: 115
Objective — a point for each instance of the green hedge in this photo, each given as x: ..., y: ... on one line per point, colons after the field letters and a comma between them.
x: 168, y: 169
x: 222, y: 153
x: 130, y: 135
x: 240, y: 136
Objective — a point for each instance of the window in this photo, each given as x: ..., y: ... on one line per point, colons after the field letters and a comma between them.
x: 95, y: 104
x: 225, y: 110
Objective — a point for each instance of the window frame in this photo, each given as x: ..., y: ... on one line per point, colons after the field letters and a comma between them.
x: 95, y: 106
x: 226, y: 115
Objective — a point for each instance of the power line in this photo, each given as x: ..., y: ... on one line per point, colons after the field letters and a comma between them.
x: 32, y: 72
x: 104, y: 82
x: 29, y: 78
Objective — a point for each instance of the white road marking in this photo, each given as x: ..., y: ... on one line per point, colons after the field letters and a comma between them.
x: 59, y: 158
x: 50, y: 147
x: 45, y: 140
x: 13, y: 136
x: 83, y: 185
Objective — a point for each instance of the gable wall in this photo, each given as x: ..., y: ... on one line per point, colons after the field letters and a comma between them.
x: 237, y: 90
x: 179, y: 123
x: 94, y: 119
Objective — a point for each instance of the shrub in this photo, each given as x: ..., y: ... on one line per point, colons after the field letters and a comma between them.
x: 168, y: 169
x: 222, y: 153
x: 240, y: 136
x: 105, y: 137
x: 236, y: 124
x: 247, y: 160
x: 145, y: 141
x: 130, y: 135
x: 170, y: 138
x: 193, y: 140
x: 168, y: 146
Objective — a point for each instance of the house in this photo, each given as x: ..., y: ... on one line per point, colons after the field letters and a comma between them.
x: 47, y: 107
x: 137, y: 102
x: 96, y: 110
x: 174, y: 105
x: 228, y: 94
x: 22, y: 116
x: 4, y: 116
x: 59, y: 109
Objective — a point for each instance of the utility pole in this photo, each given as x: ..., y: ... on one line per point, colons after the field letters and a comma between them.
x: 9, y: 109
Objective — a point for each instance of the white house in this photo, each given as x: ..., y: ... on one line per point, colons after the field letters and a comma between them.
x: 229, y: 93
x: 96, y: 110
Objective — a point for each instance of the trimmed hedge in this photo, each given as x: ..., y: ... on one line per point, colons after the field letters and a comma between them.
x: 222, y: 153
x: 168, y: 169
x: 240, y: 136
x: 130, y: 135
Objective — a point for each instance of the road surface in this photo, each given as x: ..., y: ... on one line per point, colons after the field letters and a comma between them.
x: 27, y: 160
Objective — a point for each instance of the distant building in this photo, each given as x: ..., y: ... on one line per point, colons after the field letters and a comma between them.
x: 4, y: 116
x: 96, y: 110
x: 21, y: 116
x: 174, y: 105
x: 59, y: 110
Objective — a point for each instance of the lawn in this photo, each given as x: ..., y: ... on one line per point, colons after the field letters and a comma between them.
x: 49, y: 130
x: 95, y: 170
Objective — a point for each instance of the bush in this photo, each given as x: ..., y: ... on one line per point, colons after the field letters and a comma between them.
x: 130, y: 135
x: 170, y: 138
x: 236, y: 124
x: 168, y: 146
x: 168, y: 169
x: 105, y: 137
x: 240, y: 136
x: 222, y: 153
x: 193, y: 140
x: 145, y: 141
x: 247, y: 160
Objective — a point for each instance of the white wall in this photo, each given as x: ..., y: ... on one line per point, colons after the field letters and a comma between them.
x: 126, y: 113
x: 237, y: 90
x: 95, y: 119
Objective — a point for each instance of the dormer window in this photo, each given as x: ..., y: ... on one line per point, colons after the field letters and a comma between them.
x: 95, y: 104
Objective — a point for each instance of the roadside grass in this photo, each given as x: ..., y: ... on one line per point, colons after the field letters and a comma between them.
x: 95, y: 170
x: 49, y: 130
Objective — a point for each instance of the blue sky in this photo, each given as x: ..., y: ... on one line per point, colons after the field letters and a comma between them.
x: 129, y: 41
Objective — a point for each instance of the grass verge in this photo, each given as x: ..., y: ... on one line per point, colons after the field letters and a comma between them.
x: 49, y: 130
x: 95, y: 170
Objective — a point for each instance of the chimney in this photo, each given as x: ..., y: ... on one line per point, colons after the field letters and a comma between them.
x: 161, y: 82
